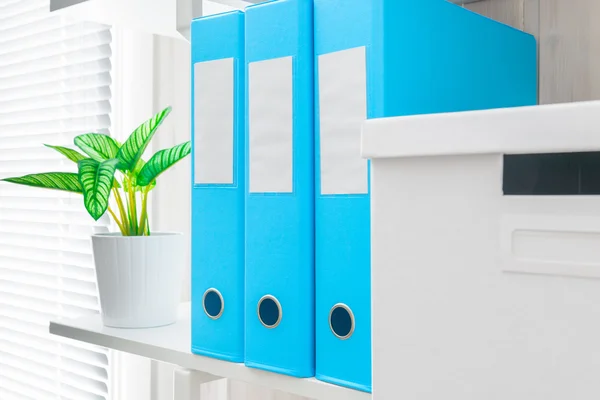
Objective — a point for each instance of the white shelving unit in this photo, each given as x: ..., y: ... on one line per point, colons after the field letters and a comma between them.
x: 171, y: 344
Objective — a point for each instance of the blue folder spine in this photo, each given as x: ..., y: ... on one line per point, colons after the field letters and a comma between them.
x: 280, y: 186
x: 343, y: 243
x: 218, y: 186
x: 419, y: 57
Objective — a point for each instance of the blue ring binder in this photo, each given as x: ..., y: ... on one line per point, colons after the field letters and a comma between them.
x: 280, y: 185
x: 384, y: 58
x: 218, y: 184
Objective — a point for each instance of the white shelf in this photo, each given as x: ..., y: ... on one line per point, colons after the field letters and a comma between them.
x: 172, y: 344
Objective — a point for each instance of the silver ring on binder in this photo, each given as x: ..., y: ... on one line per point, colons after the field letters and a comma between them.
x: 352, y: 322
x: 213, y: 290
x: 279, y: 311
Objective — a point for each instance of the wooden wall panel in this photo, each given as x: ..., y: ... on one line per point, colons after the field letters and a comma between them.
x: 531, y: 17
x: 568, y: 40
x: 569, y: 50
x: 509, y: 12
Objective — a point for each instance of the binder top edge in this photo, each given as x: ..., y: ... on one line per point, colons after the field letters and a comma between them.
x: 218, y: 15
x: 264, y: 3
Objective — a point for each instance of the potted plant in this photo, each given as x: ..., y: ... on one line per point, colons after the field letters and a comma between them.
x: 139, y: 272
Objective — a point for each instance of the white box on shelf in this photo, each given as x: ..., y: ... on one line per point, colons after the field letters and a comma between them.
x: 478, y: 295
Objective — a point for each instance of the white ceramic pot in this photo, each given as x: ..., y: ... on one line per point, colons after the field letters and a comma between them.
x: 139, y: 278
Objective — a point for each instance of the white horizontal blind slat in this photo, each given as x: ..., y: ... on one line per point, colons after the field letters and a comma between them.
x: 53, y: 33
x: 71, y: 126
x: 55, y: 78
x: 9, y: 395
x: 87, y: 74
x: 12, y: 380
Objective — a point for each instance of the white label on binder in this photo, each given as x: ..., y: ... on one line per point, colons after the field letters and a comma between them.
x: 213, y: 121
x: 270, y: 126
x: 343, y: 108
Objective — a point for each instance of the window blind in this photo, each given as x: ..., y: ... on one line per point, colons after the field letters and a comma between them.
x: 55, y: 77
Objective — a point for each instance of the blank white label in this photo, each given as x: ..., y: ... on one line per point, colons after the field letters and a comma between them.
x: 343, y: 108
x: 270, y: 126
x: 214, y: 121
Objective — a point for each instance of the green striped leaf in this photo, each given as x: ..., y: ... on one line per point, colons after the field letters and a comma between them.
x: 71, y: 154
x: 66, y: 181
x: 98, y: 146
x: 133, y: 148
x: 96, y: 180
x: 74, y: 156
x: 161, y: 161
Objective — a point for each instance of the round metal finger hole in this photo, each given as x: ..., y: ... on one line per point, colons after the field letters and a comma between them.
x: 269, y: 311
x: 213, y: 303
x: 341, y: 321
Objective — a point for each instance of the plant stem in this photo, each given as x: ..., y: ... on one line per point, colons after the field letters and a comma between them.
x: 132, y: 208
x: 117, y: 221
x: 121, y: 209
x: 144, y: 216
x: 147, y: 226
